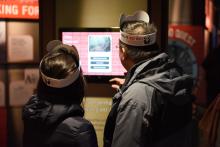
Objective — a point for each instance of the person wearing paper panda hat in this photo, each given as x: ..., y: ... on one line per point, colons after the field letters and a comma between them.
x: 54, y: 115
x: 152, y: 107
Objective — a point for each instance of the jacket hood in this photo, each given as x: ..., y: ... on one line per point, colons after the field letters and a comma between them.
x: 166, y: 76
x: 44, y: 115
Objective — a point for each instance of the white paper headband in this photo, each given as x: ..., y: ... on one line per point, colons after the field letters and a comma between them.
x: 136, y: 40
x: 72, y: 77
x: 60, y: 83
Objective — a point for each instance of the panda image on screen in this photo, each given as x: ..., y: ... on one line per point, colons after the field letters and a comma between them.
x: 99, y: 43
x: 99, y: 56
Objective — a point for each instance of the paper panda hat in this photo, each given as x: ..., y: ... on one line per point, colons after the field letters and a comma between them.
x: 60, y: 83
x: 136, y: 40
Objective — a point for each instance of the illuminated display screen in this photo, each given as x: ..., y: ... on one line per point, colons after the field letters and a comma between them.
x: 98, y: 51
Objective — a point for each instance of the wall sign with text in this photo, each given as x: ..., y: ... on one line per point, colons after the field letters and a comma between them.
x: 19, y: 9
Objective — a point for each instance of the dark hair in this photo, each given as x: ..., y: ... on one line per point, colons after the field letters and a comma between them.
x: 58, y: 64
x: 139, y: 53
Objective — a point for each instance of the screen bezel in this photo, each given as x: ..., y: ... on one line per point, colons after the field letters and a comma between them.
x: 93, y: 78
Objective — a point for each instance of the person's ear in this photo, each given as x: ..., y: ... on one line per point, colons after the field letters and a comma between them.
x: 123, y: 53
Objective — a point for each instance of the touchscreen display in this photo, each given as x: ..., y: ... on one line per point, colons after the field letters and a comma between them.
x: 98, y: 50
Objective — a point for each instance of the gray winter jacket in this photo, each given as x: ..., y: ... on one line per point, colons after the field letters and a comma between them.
x: 152, y: 108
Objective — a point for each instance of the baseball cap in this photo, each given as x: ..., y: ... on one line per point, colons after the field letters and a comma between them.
x: 136, y: 40
x: 56, y: 45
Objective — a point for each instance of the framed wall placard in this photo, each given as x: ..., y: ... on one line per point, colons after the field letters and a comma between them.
x: 22, y: 85
x: 2, y: 88
x: 96, y: 110
x: 2, y: 93
x: 20, y: 48
x: 22, y: 42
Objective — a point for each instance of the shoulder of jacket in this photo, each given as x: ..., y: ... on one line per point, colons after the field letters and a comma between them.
x: 137, y: 86
x: 76, y: 125
x: 73, y: 131
x: 137, y: 96
x: 138, y: 91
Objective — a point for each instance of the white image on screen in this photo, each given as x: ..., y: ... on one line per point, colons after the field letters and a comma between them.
x: 99, y: 53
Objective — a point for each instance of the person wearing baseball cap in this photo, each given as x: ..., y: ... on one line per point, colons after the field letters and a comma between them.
x: 54, y: 116
x: 152, y: 107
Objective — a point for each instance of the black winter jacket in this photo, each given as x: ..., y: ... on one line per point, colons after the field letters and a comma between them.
x: 56, y: 125
x: 152, y: 108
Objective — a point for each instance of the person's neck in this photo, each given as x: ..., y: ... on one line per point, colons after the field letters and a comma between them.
x: 129, y: 64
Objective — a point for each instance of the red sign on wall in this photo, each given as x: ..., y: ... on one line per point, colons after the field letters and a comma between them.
x: 186, y: 44
x: 19, y: 9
